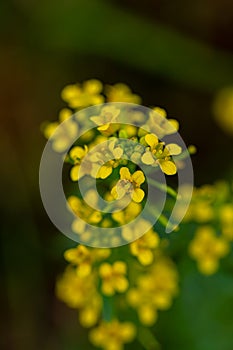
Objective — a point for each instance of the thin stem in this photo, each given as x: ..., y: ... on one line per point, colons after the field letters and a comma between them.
x: 163, y: 187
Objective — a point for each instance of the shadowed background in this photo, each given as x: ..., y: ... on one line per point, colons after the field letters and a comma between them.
x: 175, y: 55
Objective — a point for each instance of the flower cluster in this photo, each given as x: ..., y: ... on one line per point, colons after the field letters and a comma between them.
x: 212, y: 209
x: 138, y: 278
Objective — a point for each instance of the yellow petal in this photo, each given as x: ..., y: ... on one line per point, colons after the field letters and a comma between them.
x: 148, y: 158
x: 146, y: 257
x: 125, y: 174
x: 138, y: 195
x: 74, y: 172
x: 152, y: 140
x: 138, y: 177
x: 104, y: 171
x: 77, y: 152
x: 117, y: 152
x: 173, y: 149
x: 167, y: 166
x: 104, y: 127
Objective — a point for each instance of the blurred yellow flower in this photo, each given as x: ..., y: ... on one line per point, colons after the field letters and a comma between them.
x: 81, y: 96
x: 128, y: 214
x: 159, y: 125
x: 158, y: 154
x: 223, y: 109
x: 121, y: 93
x: 112, y: 335
x: 107, y: 117
x: 113, y: 277
x: 226, y: 219
x: 61, y: 137
x: 154, y: 291
x: 129, y: 184
x: 142, y: 247
x: 79, y: 292
x: 207, y: 248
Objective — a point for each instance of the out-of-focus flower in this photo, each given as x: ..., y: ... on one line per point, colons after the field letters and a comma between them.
x: 159, y: 125
x: 80, y: 293
x: 158, y: 154
x: 112, y: 335
x: 81, y: 96
x: 128, y: 214
x: 207, y: 248
x: 83, y: 258
x: 121, y: 93
x: 129, y: 184
x: 223, y: 109
x: 61, y: 137
x: 113, y: 151
x: 113, y: 278
x: 142, y: 247
x: 154, y: 290
x: 226, y: 219
x: 107, y: 120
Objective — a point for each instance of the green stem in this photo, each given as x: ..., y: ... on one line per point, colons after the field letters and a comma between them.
x: 163, y: 187
x: 147, y: 339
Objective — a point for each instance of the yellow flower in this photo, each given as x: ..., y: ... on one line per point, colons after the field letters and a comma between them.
x: 157, y: 154
x: 129, y: 184
x: 84, y: 257
x: 62, y: 136
x: 226, y: 218
x: 84, y: 211
x: 107, y: 117
x: 142, y: 247
x: 128, y: 214
x: 159, y: 125
x: 78, y: 96
x: 112, y: 335
x: 223, y: 109
x: 121, y: 93
x: 112, y: 151
x: 135, y: 230
x: 76, y: 154
x: 113, y: 278
x: 154, y: 291
x: 206, y: 248
x: 79, y: 292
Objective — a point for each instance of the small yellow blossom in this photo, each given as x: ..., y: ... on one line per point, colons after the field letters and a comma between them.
x: 223, y: 109
x: 159, y: 125
x: 129, y: 184
x: 226, y: 219
x: 157, y: 154
x: 88, y: 94
x: 112, y: 335
x: 113, y: 278
x: 83, y: 210
x: 121, y: 93
x: 76, y: 154
x: 142, y: 247
x: 114, y: 152
x: 84, y: 257
x: 107, y: 117
x: 154, y: 291
x: 207, y: 248
x: 79, y: 292
x: 61, y: 135
x: 128, y: 214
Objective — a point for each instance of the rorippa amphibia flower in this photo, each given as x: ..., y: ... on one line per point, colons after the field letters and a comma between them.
x: 159, y: 154
x: 207, y: 248
x: 113, y: 278
x: 112, y: 335
x: 129, y: 184
x: 107, y: 120
x: 154, y: 290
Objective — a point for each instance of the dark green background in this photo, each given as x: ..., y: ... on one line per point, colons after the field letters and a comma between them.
x: 176, y: 55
